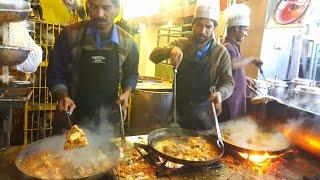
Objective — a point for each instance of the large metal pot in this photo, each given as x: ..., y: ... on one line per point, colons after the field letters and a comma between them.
x: 10, y: 55
x: 151, y: 103
x: 306, y: 93
x: 14, y: 10
x: 279, y: 88
x: 307, y: 98
x: 30, y: 25
x: 301, y: 82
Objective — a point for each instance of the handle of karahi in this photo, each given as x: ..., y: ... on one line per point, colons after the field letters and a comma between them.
x: 219, y: 140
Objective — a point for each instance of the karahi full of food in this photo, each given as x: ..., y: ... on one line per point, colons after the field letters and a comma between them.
x: 75, y: 138
x: 46, y: 159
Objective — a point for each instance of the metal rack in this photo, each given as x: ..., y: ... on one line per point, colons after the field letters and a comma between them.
x: 39, y: 111
x: 164, y: 69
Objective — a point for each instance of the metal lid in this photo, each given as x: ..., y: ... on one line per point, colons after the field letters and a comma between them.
x: 277, y: 82
x: 308, y: 89
x: 154, y: 86
x: 300, y: 81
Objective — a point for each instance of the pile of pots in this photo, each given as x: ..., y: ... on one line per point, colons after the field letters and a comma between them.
x: 13, y: 11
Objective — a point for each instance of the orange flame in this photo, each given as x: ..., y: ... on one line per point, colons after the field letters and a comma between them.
x: 304, y: 138
x: 261, y: 162
x: 257, y: 158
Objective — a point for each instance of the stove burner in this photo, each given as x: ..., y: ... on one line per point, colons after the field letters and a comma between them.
x: 161, y: 167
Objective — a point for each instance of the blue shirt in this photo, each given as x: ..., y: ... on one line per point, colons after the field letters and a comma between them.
x: 114, y: 38
x: 201, y: 53
x: 58, y: 71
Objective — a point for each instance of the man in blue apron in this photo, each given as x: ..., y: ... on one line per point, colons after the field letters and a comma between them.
x: 89, y: 61
x: 204, y: 70
x: 238, y: 22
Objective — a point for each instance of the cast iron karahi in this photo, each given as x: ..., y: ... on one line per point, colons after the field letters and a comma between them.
x: 55, y: 143
x: 159, y: 135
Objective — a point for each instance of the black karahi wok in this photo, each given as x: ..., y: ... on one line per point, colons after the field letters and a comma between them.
x: 233, y: 145
x: 55, y: 144
x: 160, y: 134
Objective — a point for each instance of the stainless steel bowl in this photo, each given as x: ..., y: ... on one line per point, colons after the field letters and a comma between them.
x: 10, y: 56
x: 30, y: 25
x: 14, y: 10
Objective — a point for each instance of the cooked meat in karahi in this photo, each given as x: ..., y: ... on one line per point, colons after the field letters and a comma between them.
x: 75, y: 138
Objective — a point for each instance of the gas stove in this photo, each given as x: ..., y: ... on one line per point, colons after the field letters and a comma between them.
x: 164, y: 167
x: 294, y: 164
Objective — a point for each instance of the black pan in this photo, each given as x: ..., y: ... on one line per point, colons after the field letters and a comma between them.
x: 161, y: 134
x: 237, y: 148
x: 55, y: 144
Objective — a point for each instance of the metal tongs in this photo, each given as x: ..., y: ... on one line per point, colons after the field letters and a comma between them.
x: 123, y: 136
x: 219, y: 140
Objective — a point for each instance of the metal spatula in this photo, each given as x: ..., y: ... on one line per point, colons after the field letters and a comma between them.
x: 123, y: 136
x: 219, y: 140
x: 174, y: 124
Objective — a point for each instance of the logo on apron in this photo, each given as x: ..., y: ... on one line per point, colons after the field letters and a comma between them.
x: 98, y: 59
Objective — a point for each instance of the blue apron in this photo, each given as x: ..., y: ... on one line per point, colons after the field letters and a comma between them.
x: 193, y: 83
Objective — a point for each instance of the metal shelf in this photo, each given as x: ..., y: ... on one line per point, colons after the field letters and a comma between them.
x: 38, y: 112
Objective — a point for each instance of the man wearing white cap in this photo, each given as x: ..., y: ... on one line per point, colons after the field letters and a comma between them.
x: 238, y: 22
x: 203, y: 70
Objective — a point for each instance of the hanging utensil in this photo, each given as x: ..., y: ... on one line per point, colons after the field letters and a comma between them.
x: 219, y: 140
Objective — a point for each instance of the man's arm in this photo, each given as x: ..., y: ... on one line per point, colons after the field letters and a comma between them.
x: 160, y: 53
x: 240, y: 63
x: 172, y: 51
x: 130, y: 76
x: 225, y: 84
x: 57, y: 74
x: 130, y: 69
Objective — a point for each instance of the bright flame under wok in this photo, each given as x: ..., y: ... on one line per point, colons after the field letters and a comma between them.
x: 257, y: 158
x: 260, y: 162
x: 304, y: 138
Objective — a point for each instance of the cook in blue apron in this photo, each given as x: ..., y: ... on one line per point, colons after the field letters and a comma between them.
x: 98, y: 90
x: 194, y: 108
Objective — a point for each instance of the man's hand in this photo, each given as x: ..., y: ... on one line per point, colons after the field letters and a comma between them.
x: 124, y: 100
x: 216, y: 99
x: 176, y: 56
x: 257, y: 62
x: 66, y: 104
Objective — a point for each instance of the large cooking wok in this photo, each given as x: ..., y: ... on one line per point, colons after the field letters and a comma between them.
x: 159, y: 135
x: 55, y: 144
x: 281, y: 145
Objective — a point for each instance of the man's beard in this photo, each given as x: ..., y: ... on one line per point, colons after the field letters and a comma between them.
x: 202, y: 39
x: 100, y: 22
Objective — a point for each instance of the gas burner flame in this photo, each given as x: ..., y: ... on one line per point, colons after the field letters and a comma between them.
x: 258, y: 159
x: 170, y: 164
x: 304, y: 138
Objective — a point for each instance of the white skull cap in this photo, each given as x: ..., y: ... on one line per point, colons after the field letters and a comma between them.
x: 238, y: 15
x: 207, y: 9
